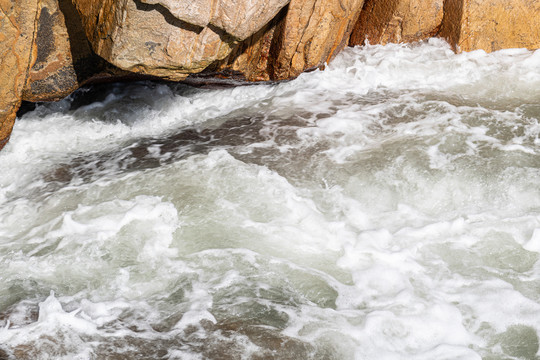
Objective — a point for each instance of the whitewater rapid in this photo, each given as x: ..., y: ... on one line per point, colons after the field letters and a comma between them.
x: 387, y: 207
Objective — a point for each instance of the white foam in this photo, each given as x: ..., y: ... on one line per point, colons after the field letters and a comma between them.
x: 386, y: 207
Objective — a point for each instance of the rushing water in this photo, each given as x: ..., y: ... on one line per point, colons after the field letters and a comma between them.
x: 387, y: 207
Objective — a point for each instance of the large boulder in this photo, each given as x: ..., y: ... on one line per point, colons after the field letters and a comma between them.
x: 18, y: 23
x: 492, y: 25
x: 304, y: 36
x: 394, y: 21
x: 65, y: 59
x: 466, y: 24
x: 260, y: 39
x: 313, y: 32
x: 239, y: 18
x: 167, y: 38
x: 251, y: 59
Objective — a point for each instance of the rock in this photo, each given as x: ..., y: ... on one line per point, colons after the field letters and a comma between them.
x: 498, y: 24
x: 239, y: 18
x: 195, y: 12
x: 394, y: 21
x: 18, y: 22
x: 466, y: 24
x: 45, y: 56
x: 304, y: 36
x: 519, y: 341
x: 171, y: 40
x: 148, y: 39
x: 271, y: 343
x: 168, y: 38
x: 65, y: 59
x: 4, y: 355
x: 251, y: 59
x: 313, y: 32
x: 243, y: 18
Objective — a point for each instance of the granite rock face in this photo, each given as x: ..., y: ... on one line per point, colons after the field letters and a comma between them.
x: 148, y: 39
x: 312, y: 33
x: 64, y: 58
x: 251, y: 59
x: 305, y: 36
x: 466, y: 24
x: 394, y: 21
x: 238, y: 18
x: 18, y: 24
x: 491, y: 25
x: 171, y: 39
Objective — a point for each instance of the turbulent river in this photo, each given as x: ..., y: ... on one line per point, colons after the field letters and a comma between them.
x: 387, y: 207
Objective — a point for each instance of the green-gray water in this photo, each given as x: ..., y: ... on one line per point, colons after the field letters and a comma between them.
x: 385, y: 208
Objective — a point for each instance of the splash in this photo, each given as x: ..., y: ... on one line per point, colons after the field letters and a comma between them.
x: 387, y: 207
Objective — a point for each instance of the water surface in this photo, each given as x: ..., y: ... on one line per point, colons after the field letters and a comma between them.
x: 387, y: 207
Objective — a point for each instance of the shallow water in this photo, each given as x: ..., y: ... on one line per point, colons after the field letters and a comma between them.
x: 387, y: 207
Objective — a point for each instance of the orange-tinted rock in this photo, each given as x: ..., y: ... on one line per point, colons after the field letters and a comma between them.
x: 243, y: 18
x: 167, y: 38
x: 304, y: 36
x: 313, y: 32
x: 148, y: 39
x: 195, y: 12
x: 18, y: 21
x: 466, y: 24
x: 251, y: 59
x: 238, y: 18
x: 64, y: 59
x: 492, y: 25
x: 394, y: 21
